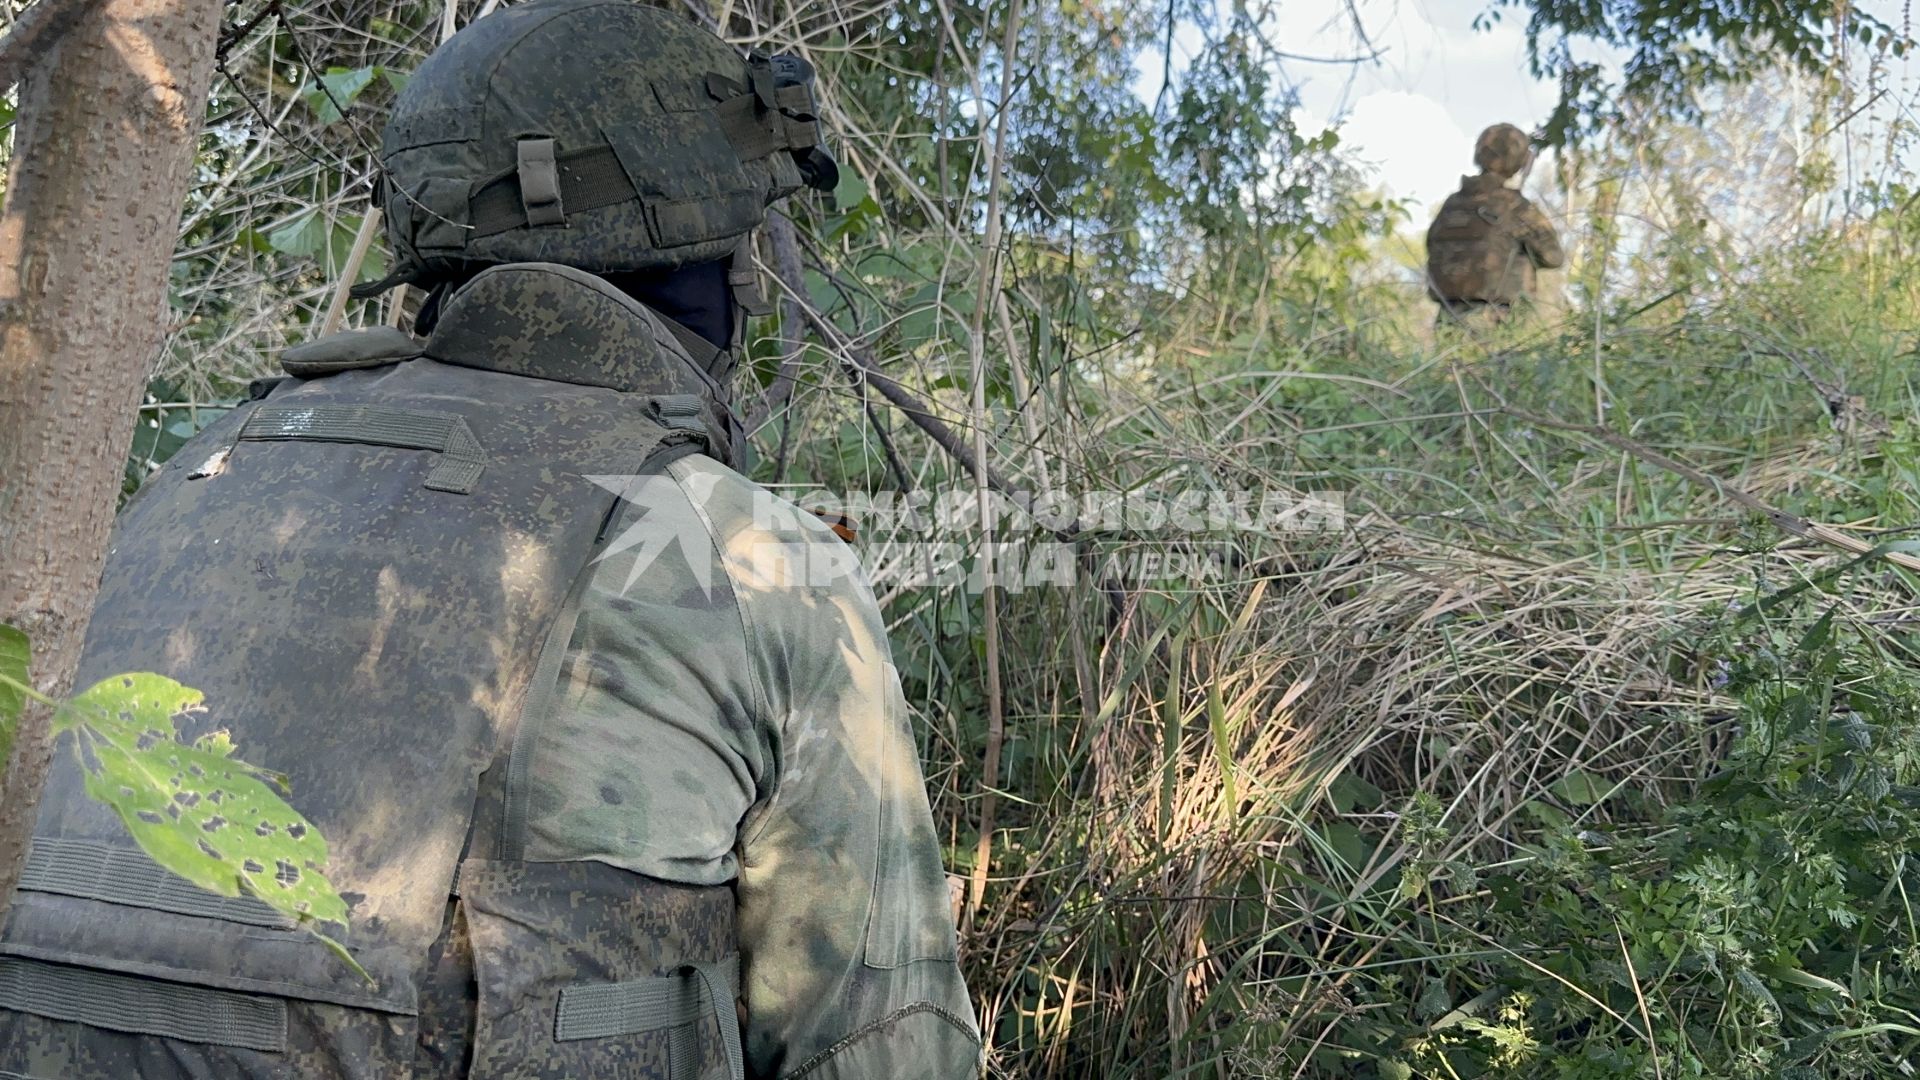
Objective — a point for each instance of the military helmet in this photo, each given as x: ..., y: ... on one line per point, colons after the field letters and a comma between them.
x: 1502, y: 150
x: 602, y: 134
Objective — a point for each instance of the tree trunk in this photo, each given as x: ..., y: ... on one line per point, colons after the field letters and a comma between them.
x: 103, y: 150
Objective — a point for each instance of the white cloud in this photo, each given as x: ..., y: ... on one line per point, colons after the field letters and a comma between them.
x: 1412, y: 143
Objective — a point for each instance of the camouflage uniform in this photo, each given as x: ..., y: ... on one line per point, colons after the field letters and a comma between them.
x: 730, y: 712
x: 1487, y: 241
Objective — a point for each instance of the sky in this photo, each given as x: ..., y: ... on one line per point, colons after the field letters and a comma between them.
x: 1410, y: 116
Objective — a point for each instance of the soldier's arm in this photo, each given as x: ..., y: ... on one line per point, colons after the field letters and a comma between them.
x: 1538, y: 237
x: 845, y: 926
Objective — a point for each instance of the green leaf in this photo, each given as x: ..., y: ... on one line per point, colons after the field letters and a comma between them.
x: 1818, y: 634
x: 1579, y: 788
x: 850, y: 192
x: 373, y: 265
x: 16, y: 652
x: 336, y: 91
x: 1352, y: 846
x: 1223, y: 751
x: 1793, y: 976
x: 303, y: 237
x: 255, y: 240
x: 307, y: 237
x: 1349, y: 793
x: 395, y: 79
x: 214, y: 821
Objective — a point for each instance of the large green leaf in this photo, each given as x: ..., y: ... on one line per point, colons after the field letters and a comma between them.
x: 336, y: 90
x: 15, y: 654
x: 218, y: 822
x: 307, y: 237
x: 304, y: 236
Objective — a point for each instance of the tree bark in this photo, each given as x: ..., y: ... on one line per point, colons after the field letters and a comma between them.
x: 103, y: 151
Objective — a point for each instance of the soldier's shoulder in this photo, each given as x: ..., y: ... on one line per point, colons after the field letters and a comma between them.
x: 737, y: 506
x: 801, y: 590
x: 778, y: 550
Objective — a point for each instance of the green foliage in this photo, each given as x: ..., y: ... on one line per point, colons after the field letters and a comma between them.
x: 1474, y: 860
x: 218, y: 822
x: 1767, y: 924
x: 337, y: 88
x: 15, y: 658
x: 1673, y: 51
x: 310, y: 235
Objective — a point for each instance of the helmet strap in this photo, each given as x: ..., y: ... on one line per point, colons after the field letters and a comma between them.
x: 745, y: 282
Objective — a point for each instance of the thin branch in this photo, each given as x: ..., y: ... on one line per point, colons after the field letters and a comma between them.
x: 362, y: 240
x: 235, y: 35
x: 989, y: 286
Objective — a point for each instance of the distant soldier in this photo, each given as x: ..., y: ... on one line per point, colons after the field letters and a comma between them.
x: 1484, y: 247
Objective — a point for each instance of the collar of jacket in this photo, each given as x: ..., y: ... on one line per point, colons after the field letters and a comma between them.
x: 547, y: 321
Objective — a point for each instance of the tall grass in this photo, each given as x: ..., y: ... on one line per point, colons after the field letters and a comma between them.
x: 1517, y: 647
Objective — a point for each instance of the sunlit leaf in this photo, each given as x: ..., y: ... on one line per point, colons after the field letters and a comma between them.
x: 305, y: 236
x: 214, y: 820
x: 15, y: 654
x: 850, y: 192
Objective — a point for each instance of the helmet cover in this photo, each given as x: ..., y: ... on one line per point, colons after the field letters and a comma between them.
x: 1502, y: 150
x: 605, y: 135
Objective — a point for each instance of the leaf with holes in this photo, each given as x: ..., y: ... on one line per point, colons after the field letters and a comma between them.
x: 194, y: 809
x: 14, y: 656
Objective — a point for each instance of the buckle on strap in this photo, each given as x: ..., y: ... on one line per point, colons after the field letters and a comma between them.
x: 692, y: 992
x: 678, y: 412
x: 539, y: 182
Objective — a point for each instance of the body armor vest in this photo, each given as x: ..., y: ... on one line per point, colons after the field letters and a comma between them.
x: 369, y: 571
x: 1473, y: 246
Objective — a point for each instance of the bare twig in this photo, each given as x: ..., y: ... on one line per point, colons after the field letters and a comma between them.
x: 989, y: 287
x: 362, y: 240
x: 231, y: 36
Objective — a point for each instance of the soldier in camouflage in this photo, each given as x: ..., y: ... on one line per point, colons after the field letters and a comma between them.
x: 613, y: 761
x: 1483, y: 248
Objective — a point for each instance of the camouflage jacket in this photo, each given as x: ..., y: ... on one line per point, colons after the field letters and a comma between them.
x: 1486, y: 242
x: 729, y: 712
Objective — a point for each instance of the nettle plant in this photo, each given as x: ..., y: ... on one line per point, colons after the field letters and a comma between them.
x: 1764, y: 927
x: 218, y: 822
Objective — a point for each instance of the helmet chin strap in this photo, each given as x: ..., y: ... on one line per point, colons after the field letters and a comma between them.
x: 745, y: 282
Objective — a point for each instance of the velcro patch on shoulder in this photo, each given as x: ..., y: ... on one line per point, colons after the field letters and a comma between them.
x: 373, y: 347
